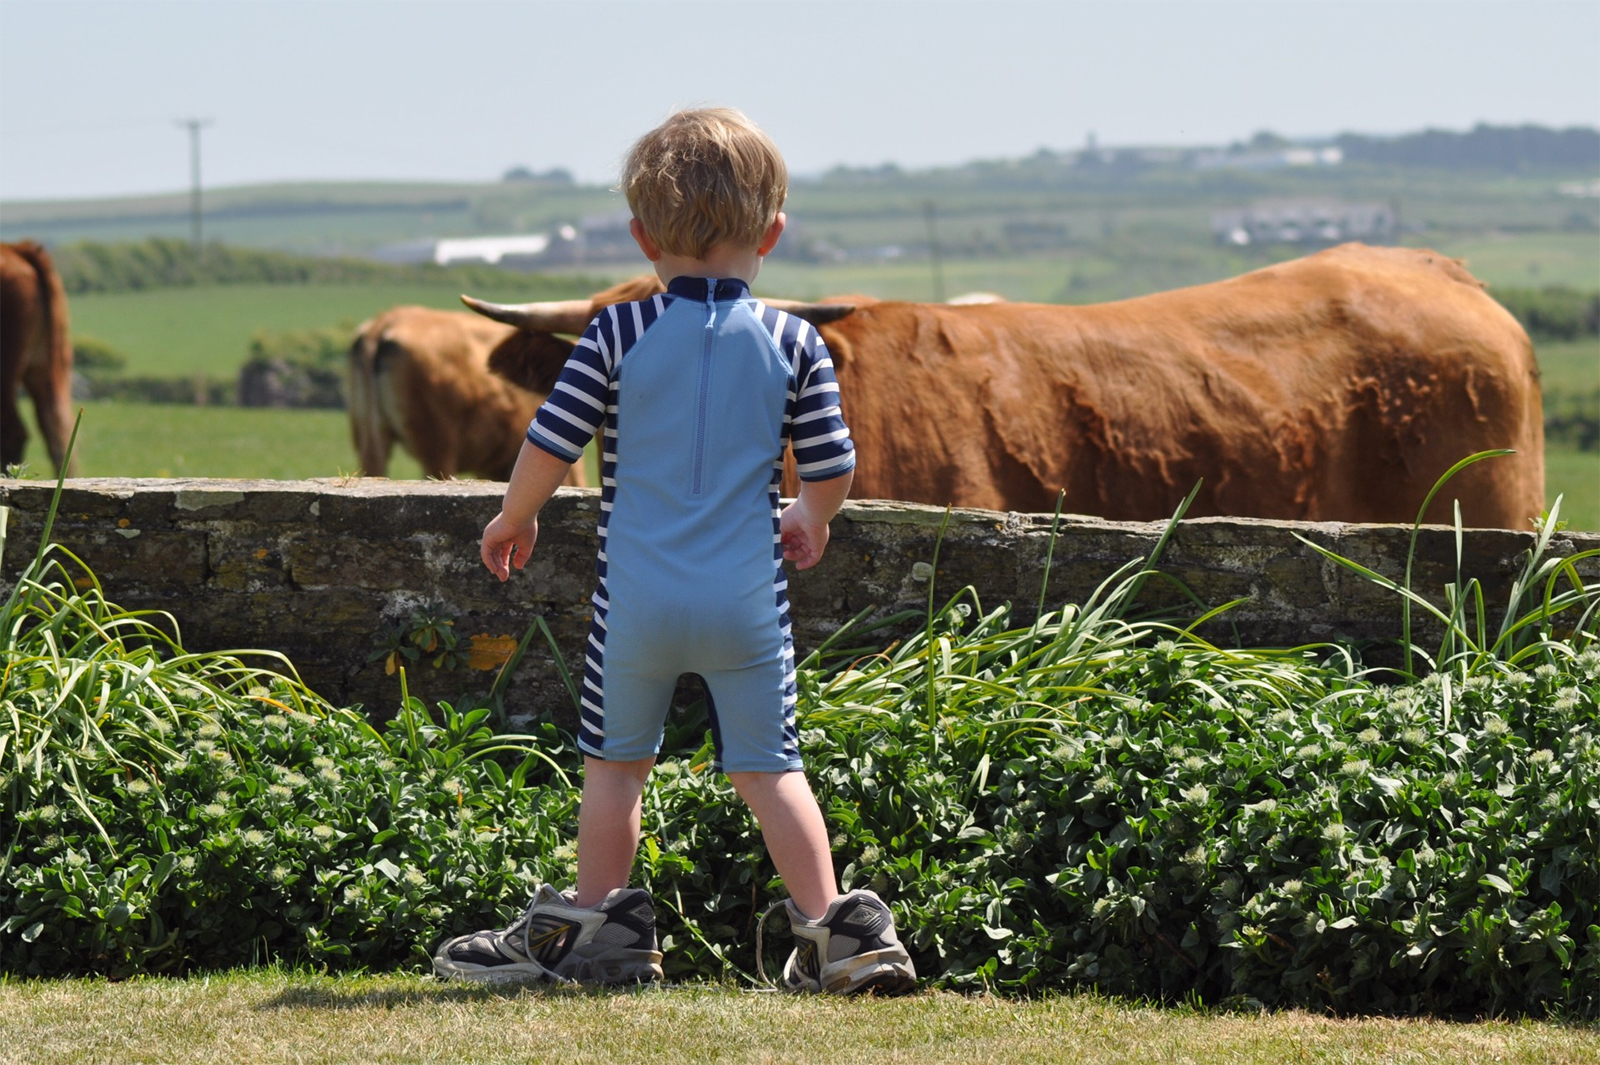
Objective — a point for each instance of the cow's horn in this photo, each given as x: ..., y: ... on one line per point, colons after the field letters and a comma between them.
x: 815, y: 313
x: 559, y: 316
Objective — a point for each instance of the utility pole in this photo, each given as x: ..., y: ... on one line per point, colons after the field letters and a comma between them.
x: 194, y: 125
x: 933, y: 252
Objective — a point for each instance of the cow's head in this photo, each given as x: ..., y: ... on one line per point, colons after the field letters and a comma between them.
x: 533, y: 356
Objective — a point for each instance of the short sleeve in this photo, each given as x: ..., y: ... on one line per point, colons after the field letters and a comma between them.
x: 576, y: 407
x: 817, y: 432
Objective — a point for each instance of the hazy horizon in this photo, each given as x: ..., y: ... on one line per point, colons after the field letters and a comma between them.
x: 363, y: 90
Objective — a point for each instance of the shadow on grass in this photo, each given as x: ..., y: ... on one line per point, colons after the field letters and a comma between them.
x: 429, y: 990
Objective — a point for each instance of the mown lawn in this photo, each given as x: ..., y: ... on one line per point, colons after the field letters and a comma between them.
x: 272, y: 1016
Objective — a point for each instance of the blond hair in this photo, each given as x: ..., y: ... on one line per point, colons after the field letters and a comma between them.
x: 705, y: 177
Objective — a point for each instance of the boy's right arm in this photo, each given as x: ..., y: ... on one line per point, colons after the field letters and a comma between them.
x: 508, y: 539
x: 803, y: 524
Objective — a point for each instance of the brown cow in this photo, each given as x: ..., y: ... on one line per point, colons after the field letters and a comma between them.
x: 35, y: 352
x: 420, y: 377
x: 1337, y: 387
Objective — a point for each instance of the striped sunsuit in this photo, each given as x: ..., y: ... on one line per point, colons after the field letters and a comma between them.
x: 699, y: 390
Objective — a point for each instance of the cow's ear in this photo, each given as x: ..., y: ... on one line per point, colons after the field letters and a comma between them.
x: 531, y: 360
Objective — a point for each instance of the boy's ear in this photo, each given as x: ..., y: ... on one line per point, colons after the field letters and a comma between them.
x: 651, y: 249
x: 769, y: 240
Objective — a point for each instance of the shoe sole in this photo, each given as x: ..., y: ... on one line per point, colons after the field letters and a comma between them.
x: 633, y: 967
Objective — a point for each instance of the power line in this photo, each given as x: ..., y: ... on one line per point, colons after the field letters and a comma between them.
x: 194, y: 125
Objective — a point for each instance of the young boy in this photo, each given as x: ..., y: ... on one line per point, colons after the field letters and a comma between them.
x: 698, y: 391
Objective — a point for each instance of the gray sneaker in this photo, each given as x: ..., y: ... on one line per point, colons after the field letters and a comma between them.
x: 851, y: 948
x: 613, y: 943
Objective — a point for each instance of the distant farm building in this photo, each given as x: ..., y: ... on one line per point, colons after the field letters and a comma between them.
x: 1305, y: 224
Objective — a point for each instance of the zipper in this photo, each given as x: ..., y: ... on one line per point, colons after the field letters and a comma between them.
x: 705, y: 386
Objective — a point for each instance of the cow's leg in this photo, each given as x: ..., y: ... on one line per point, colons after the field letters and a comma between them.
x: 13, y: 434
x: 50, y: 385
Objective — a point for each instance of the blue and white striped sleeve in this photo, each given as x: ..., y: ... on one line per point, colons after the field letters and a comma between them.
x: 576, y: 407
x: 820, y: 439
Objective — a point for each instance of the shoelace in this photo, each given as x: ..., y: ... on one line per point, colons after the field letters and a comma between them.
x: 525, y: 923
x: 761, y: 964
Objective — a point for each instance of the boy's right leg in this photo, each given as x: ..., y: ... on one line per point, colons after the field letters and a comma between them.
x: 606, y: 937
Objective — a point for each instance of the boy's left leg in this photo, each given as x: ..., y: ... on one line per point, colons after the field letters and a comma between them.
x: 844, y: 943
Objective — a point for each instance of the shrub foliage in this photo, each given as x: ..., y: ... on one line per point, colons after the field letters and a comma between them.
x: 1087, y: 800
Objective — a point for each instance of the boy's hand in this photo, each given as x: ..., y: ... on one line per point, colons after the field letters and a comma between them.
x: 505, y: 545
x: 804, y: 538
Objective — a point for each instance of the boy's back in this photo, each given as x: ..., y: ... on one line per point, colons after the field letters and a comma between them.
x: 696, y: 391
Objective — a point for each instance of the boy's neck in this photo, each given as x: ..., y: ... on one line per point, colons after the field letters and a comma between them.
x: 720, y: 262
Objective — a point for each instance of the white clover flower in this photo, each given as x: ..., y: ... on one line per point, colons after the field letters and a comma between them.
x: 353, y: 894
x: 76, y: 860
x: 1198, y: 793
x: 221, y: 757
x: 1231, y: 886
x: 214, y: 810
x: 1551, y: 800
x: 1545, y: 671
x: 1543, y: 756
x: 1282, y: 717
x: 1311, y: 750
x: 186, y: 864
x: 1337, y: 746
x: 870, y: 855
x: 1450, y: 779
x: 1369, y: 736
x: 1356, y: 767
x: 1165, y: 648
x: 162, y: 726
x: 209, y: 731
x: 1193, y: 762
x: 1334, y: 831
x: 1495, y: 725
x: 1477, y: 682
x: 254, y: 838
x: 322, y: 832
x: 294, y: 780
x: 275, y: 721
x: 1589, y: 661
x: 413, y: 876
x: 1567, y: 700
x: 329, y: 775
x: 1426, y: 855
x: 1293, y: 887
x: 1196, y: 856
x: 1103, y: 784
x: 204, y: 746
x: 280, y: 792
x: 278, y: 874
x: 1265, y: 806
x: 1113, y: 742
x: 322, y: 762
x: 138, y: 786
x: 1414, y: 736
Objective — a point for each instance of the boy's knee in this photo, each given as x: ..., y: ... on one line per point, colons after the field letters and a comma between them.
x: 637, y: 769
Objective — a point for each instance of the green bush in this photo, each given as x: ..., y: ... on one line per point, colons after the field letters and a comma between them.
x: 91, y: 355
x: 1554, y: 312
x: 1085, y: 801
x: 296, y: 368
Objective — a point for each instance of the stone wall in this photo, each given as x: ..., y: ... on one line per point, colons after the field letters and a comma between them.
x: 321, y: 570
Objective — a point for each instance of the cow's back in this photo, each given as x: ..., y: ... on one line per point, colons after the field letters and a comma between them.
x: 1335, y: 387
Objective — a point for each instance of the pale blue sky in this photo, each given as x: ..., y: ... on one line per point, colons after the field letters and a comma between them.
x: 416, y: 89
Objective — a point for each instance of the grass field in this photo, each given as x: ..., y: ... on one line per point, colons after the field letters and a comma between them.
x: 182, y: 332
x: 269, y: 1016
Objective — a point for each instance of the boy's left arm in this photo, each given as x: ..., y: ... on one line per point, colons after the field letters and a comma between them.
x: 509, y: 537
